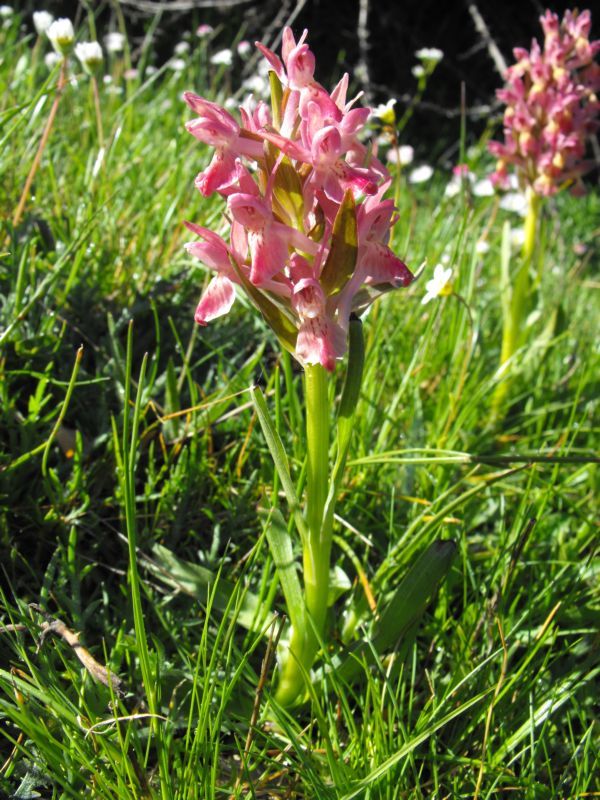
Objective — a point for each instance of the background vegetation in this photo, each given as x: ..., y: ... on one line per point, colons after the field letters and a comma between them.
x: 119, y: 493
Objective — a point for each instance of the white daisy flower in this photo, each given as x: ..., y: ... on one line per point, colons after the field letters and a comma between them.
x: 431, y: 55
x: 385, y: 111
x: 402, y: 155
x: 515, y: 202
x: 438, y: 285
x: 421, y: 174
x: 61, y: 35
x: 90, y: 55
x: 114, y: 42
x: 222, y: 58
x: 483, y: 188
x: 42, y: 21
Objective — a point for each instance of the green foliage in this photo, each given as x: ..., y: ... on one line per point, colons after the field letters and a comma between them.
x: 132, y: 471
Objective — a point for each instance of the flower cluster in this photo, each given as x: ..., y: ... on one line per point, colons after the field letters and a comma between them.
x: 551, y: 107
x: 309, y: 227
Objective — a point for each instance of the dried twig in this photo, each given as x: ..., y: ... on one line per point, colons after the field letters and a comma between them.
x: 362, y: 34
x: 492, y: 48
x: 96, y: 670
x: 155, y: 6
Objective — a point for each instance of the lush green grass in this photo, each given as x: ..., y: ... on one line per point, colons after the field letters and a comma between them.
x: 134, y: 464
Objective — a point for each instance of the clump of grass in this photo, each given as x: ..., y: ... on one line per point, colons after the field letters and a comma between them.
x: 131, y: 471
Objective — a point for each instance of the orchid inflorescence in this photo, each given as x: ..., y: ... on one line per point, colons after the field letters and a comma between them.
x: 551, y: 107
x: 309, y: 227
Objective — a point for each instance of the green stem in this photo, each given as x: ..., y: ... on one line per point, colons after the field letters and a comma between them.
x: 316, y: 555
x: 514, y: 322
x: 305, y: 639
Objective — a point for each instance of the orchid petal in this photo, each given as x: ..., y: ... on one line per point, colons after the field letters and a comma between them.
x: 216, y: 300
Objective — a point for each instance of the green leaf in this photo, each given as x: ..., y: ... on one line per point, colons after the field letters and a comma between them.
x: 201, y: 583
x: 403, y: 608
x: 276, y: 98
x: 172, y: 404
x: 341, y: 260
x: 279, y: 456
x: 409, y: 600
x: 287, y: 191
x: 280, y: 545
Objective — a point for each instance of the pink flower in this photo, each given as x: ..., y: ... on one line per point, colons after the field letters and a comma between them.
x: 309, y: 228
x: 551, y: 107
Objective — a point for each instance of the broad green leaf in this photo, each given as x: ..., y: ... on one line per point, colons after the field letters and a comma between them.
x: 409, y: 600
x: 280, y: 545
x: 199, y: 582
x: 279, y: 456
x: 341, y: 260
x: 403, y: 608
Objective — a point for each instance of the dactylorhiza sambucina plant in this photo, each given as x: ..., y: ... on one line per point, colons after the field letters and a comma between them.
x: 551, y: 110
x: 308, y: 245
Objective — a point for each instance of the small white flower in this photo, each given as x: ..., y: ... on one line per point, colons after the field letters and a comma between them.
x: 402, y: 155
x: 114, y: 42
x: 181, y: 48
x: 222, y: 58
x: 517, y: 238
x: 90, y: 55
x: 51, y: 59
x: 257, y: 84
x: 61, y: 35
x: 406, y: 154
x: 438, y: 285
x: 420, y: 174
x: 42, y: 21
x: 515, y: 202
x: 453, y: 186
x: 107, y: 80
x: 244, y: 48
x: 418, y: 71
x: 177, y: 64
x: 385, y: 111
x: 430, y: 55
x: 483, y: 188
x: 482, y: 247
x: 6, y: 11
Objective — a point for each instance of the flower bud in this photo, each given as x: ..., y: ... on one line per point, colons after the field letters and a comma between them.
x: 61, y: 35
x: 90, y: 56
x: 42, y: 21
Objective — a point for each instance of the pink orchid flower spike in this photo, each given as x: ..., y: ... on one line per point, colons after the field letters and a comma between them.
x: 310, y: 229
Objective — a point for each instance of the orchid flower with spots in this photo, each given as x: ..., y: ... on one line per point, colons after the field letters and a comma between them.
x: 300, y: 189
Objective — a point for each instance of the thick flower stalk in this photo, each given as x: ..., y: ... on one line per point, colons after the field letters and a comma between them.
x: 551, y: 109
x: 308, y: 244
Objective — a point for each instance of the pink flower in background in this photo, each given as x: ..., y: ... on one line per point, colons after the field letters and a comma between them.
x: 309, y: 229
x: 551, y: 107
